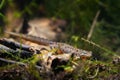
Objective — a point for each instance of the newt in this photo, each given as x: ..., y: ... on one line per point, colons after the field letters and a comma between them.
x: 66, y: 48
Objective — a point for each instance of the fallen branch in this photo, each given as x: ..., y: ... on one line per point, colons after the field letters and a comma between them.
x: 14, y: 45
x: 5, y: 51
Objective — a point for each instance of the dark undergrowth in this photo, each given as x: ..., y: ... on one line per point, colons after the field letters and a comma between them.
x: 79, y: 14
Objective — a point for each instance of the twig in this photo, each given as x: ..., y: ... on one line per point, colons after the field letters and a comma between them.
x: 93, y: 25
x: 13, y: 62
x: 97, y: 45
x: 16, y: 62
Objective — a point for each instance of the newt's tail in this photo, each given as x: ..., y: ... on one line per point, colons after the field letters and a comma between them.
x: 31, y: 38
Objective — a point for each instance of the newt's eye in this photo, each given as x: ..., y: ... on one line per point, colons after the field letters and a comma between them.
x: 77, y: 50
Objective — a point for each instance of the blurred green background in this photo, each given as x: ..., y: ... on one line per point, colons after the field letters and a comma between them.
x: 79, y: 15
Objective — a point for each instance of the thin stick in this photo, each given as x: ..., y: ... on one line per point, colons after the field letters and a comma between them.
x: 16, y: 62
x: 12, y: 62
x: 101, y: 47
x: 93, y: 25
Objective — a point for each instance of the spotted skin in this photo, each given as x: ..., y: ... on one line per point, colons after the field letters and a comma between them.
x: 66, y: 48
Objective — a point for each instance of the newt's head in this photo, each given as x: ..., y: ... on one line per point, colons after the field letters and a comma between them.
x: 83, y: 54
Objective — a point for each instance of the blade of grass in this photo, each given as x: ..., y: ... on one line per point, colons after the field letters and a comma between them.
x: 2, y: 3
